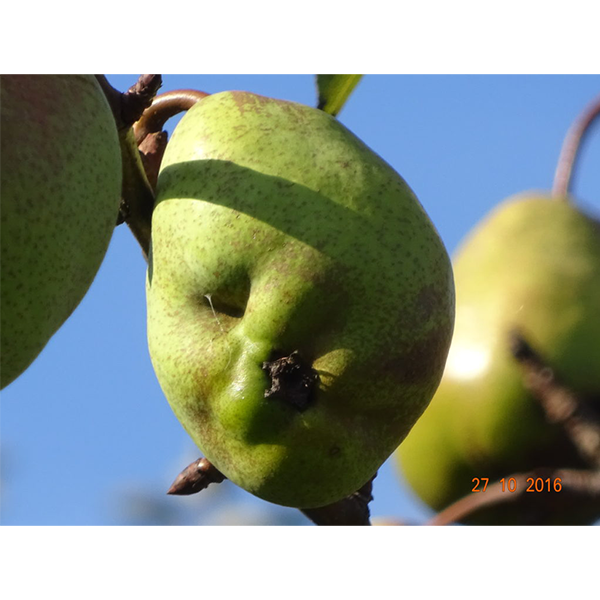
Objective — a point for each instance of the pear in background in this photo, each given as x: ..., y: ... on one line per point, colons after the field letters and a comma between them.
x: 533, y: 265
x: 281, y: 243
x: 61, y: 185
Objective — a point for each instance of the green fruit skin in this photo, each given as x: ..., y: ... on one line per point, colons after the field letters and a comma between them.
x: 275, y: 230
x: 532, y: 265
x: 61, y: 185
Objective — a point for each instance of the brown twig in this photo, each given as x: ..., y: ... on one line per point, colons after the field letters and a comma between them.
x: 151, y: 149
x: 128, y: 107
x: 137, y: 202
x: 195, y: 477
x: 164, y: 107
x: 570, y: 149
x: 493, y: 494
x: 353, y: 510
x: 142, y: 116
x: 139, y: 97
x: 561, y: 405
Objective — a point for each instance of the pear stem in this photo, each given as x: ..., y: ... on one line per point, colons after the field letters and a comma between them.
x: 353, y: 510
x: 164, y: 107
x: 569, y: 153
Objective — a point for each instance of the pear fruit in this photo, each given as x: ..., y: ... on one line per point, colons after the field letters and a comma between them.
x: 61, y: 186
x: 300, y: 301
x: 532, y: 266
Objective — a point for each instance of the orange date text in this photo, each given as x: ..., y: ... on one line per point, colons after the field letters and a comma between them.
x: 533, y: 484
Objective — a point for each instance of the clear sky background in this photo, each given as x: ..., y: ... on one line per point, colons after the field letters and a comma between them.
x: 87, y: 437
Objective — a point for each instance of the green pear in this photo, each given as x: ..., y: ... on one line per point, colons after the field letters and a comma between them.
x: 279, y: 238
x: 61, y: 185
x: 533, y: 266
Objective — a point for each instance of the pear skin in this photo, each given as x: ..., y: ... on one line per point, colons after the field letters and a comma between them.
x: 277, y: 233
x: 533, y: 265
x: 61, y: 187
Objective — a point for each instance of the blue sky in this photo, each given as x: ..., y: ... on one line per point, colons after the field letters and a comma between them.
x: 87, y: 436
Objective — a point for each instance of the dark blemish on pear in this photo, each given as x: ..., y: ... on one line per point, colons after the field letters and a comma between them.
x: 292, y: 380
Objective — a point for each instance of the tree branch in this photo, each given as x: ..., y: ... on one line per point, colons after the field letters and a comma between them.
x: 561, y: 404
x: 580, y: 484
x: 152, y: 149
x: 353, y: 510
x: 137, y: 197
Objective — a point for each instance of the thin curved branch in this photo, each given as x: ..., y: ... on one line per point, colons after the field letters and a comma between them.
x: 494, y: 494
x: 570, y: 149
x: 164, y: 107
x: 582, y: 484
